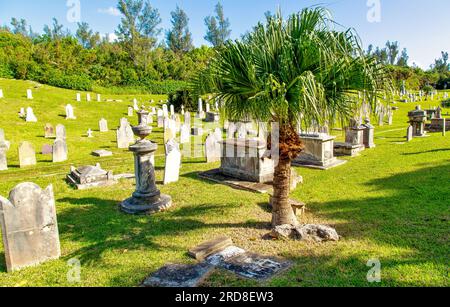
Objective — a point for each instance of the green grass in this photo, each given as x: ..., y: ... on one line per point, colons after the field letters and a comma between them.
x: 391, y: 203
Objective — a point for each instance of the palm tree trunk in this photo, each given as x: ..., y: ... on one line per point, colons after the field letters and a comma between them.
x: 282, y: 212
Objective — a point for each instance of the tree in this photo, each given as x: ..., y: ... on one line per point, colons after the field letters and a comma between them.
x: 19, y: 26
x: 179, y: 38
x: 139, y: 28
x: 87, y: 38
x: 218, y: 27
x: 392, y: 51
x: 299, y: 71
x: 441, y: 65
x: 403, y: 59
x: 56, y: 32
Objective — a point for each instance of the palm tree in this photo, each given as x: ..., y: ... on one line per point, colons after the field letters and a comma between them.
x: 296, y: 72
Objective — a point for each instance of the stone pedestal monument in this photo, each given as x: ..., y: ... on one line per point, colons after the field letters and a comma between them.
x: 147, y: 199
x: 417, y: 119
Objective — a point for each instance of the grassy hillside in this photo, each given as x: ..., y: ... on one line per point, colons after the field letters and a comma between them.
x: 391, y: 203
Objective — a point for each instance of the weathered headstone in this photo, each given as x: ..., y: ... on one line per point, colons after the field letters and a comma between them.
x: 99, y: 98
x: 31, y: 118
x: 29, y: 226
x: 27, y: 155
x: 187, y: 119
x: 172, y: 110
x: 88, y: 97
x: 47, y: 149
x: 185, y: 134
x: 69, y: 112
x: 78, y: 97
x: 60, y: 132
x: 409, y: 133
x: 212, y: 149
x: 29, y: 94
x: 130, y: 111
x: 59, y: 151
x: 22, y: 113
x: 3, y: 150
x: 89, y: 133
x: 173, y: 162
x: 1, y: 93
x: 103, y: 125
x: 102, y: 153
x: 49, y: 131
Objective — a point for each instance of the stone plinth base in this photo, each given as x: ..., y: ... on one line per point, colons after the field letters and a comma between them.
x: 347, y: 149
x: 217, y: 176
x: 144, y: 206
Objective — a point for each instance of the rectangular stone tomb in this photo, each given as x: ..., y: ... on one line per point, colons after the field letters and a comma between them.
x: 318, y: 152
x: 86, y: 177
x: 246, y: 160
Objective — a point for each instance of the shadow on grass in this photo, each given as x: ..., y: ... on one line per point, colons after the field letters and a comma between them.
x: 100, y: 226
x: 2, y: 262
x: 425, y: 152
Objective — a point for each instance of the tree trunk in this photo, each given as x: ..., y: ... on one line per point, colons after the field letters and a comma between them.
x: 282, y: 212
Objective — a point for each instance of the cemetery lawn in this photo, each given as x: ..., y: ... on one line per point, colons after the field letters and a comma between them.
x: 391, y: 204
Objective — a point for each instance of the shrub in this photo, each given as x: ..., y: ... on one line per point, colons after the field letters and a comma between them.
x: 80, y: 82
x: 182, y: 97
x: 446, y: 103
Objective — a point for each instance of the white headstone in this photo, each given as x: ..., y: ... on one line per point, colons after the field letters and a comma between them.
x: 78, y: 97
x: 69, y: 112
x: 103, y: 125
x: 88, y: 97
x: 60, y: 132
x: 231, y: 130
x: 172, y: 110
x: 173, y: 162
x: 29, y: 94
x: 89, y: 133
x: 27, y: 155
x: 99, y: 98
x: 212, y: 148
x: 59, y: 151
x: 30, y: 115
x: 185, y: 134
x: 1, y: 93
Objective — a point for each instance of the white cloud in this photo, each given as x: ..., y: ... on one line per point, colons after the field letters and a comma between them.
x: 110, y: 11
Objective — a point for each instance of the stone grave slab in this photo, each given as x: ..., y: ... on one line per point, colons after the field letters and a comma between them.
x: 255, y: 266
x: 208, y: 248
x: 47, y: 149
x: 217, y: 176
x: 102, y: 153
x: 179, y: 276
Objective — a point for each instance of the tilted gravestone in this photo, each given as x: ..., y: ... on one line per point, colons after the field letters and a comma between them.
x: 409, y: 133
x: 173, y: 162
x: 59, y: 151
x: 27, y: 155
x: 29, y: 226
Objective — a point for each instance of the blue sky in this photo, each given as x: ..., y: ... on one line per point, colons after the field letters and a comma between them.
x: 423, y: 27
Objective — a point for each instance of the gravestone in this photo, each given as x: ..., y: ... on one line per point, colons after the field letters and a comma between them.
x: 59, y: 151
x: 30, y: 117
x: 169, y: 130
x: 22, y: 113
x: 89, y: 133
x: 409, y: 133
x: 78, y: 97
x: 86, y: 177
x: 124, y: 135
x: 29, y: 94
x: 49, y: 131
x: 1, y: 93
x: 231, y: 131
x: 27, y: 155
x: 102, y: 153
x: 200, y: 113
x: 88, y: 97
x: 103, y: 125
x: 47, y: 149
x: 29, y: 226
x: 69, y: 112
x: 3, y: 150
x: 185, y: 134
x: 187, y: 119
x: 60, y: 132
x: 241, y: 131
x: 135, y: 105
x: 99, y: 98
x: 173, y: 162
x: 165, y: 110
x: 172, y: 110
x: 130, y: 111
x: 212, y: 148
x: 3, y: 141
